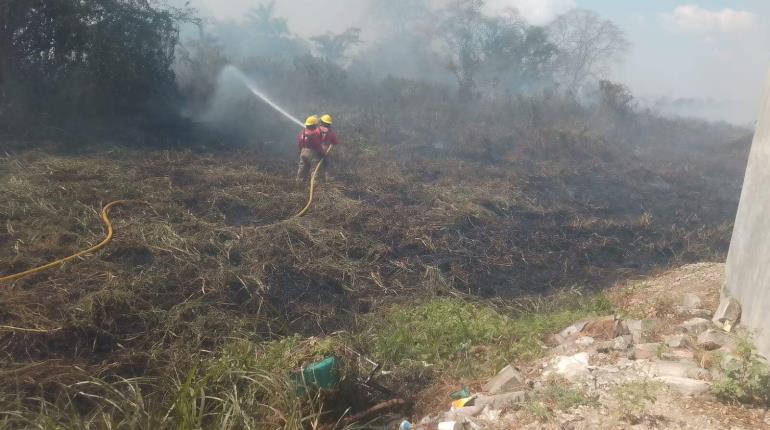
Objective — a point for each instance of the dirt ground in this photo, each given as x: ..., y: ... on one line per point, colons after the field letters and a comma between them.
x: 656, y: 298
x: 606, y: 381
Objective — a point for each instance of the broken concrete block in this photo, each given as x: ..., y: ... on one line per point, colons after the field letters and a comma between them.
x: 584, y: 342
x: 572, y: 367
x: 677, y: 341
x: 715, y: 339
x: 695, y: 326
x: 501, y: 401
x: 729, y: 311
x: 451, y: 425
x: 678, y: 355
x: 573, y: 329
x: 622, y: 343
x: 678, y: 369
x: 691, y: 301
x: 605, y: 328
x: 466, y: 411
x: 635, y: 328
x: 646, y: 351
x: 685, y: 386
x: 508, y: 379
x: 693, y: 313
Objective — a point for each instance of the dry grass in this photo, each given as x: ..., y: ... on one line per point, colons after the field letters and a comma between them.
x: 207, y: 263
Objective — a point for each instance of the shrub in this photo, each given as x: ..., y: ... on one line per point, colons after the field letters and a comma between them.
x: 747, y: 378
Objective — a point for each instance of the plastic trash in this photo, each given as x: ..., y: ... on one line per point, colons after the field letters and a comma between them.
x: 461, y: 403
x: 320, y: 375
x: 405, y: 425
x: 463, y: 393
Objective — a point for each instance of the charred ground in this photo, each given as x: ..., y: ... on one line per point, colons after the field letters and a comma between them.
x: 214, y: 256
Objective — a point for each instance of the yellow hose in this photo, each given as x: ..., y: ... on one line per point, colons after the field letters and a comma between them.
x: 312, y: 184
x: 108, y: 237
x: 109, y: 232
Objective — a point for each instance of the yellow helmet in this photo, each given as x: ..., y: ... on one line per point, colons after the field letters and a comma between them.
x: 326, y: 119
x: 311, y: 121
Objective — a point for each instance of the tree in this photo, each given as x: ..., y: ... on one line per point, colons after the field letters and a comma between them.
x: 403, y: 45
x: 263, y: 20
x: 465, y: 32
x: 615, y: 99
x: 336, y: 47
x: 499, y: 52
x: 262, y: 38
x: 198, y: 66
x: 519, y: 57
x: 105, y: 56
x: 589, y: 47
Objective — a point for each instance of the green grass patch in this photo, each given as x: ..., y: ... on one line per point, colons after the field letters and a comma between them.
x: 447, y: 330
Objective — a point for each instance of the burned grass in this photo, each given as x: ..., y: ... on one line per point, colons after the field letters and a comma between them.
x: 207, y: 265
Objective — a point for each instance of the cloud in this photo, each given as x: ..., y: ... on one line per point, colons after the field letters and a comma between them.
x: 694, y: 19
x: 537, y: 12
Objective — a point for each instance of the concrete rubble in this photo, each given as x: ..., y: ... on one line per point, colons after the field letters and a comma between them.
x: 695, y: 326
x: 677, y: 341
x: 729, y: 311
x: 507, y: 380
x: 714, y: 339
x: 602, y: 353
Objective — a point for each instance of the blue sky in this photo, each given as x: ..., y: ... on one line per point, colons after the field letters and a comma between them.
x: 714, y: 51
x: 706, y: 58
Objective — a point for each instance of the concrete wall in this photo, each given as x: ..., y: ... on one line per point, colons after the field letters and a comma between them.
x: 748, y: 264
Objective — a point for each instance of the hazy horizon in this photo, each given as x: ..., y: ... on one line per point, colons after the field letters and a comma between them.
x: 708, y: 60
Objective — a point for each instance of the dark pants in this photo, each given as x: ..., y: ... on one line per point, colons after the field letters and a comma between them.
x: 307, y: 159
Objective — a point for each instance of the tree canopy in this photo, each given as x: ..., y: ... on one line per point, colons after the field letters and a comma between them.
x: 107, y: 56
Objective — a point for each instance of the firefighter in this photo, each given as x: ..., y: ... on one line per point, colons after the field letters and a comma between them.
x: 309, y: 147
x: 328, y: 139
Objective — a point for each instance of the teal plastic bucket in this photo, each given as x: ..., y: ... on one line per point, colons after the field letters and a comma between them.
x: 322, y: 375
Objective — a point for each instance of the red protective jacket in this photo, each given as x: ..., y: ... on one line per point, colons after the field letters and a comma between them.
x: 328, y: 136
x: 310, y: 139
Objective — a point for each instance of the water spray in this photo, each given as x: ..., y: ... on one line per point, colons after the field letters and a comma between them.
x: 253, y: 88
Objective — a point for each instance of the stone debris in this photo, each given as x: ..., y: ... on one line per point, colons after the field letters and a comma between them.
x: 678, y: 369
x: 678, y: 355
x: 695, y: 326
x: 685, y: 386
x: 635, y: 328
x: 729, y: 311
x: 605, y: 328
x: 622, y: 343
x: 466, y: 411
x: 693, y: 313
x: 714, y: 339
x: 677, y: 341
x: 507, y: 380
x: 601, y: 355
x: 501, y: 401
x: 571, y: 367
x: 646, y: 351
x: 572, y: 330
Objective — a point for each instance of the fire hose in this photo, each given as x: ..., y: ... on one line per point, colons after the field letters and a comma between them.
x: 109, y: 232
